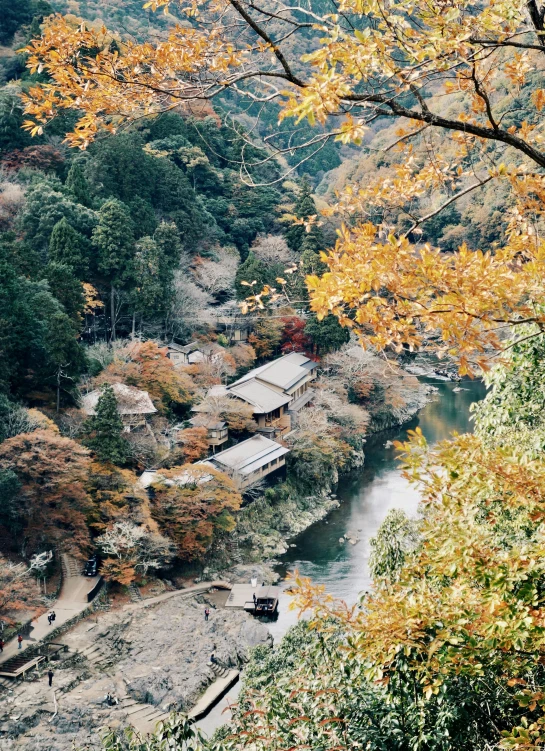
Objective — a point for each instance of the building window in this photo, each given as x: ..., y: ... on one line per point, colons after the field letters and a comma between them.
x: 274, y: 461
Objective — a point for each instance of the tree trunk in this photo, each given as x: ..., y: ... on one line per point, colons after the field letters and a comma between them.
x: 112, y: 311
x: 58, y: 389
x: 133, y: 325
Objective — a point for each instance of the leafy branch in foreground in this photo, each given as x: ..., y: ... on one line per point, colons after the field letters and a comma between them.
x: 454, y: 67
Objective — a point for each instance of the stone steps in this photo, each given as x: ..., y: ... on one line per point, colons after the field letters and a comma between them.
x: 134, y: 593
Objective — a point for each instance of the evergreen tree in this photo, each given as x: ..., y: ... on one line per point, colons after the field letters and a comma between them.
x: 152, y: 279
x: 77, y: 184
x: 253, y: 270
x: 65, y: 359
x: 103, y: 431
x: 113, y: 238
x: 143, y: 217
x: 310, y: 263
x: 66, y: 288
x: 68, y: 246
x: 297, y: 237
x: 168, y: 239
x: 327, y: 335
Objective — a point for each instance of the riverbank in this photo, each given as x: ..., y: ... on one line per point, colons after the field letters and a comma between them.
x: 154, y: 659
x: 266, y: 527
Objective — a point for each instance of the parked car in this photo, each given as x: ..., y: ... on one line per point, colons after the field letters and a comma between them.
x: 91, y: 567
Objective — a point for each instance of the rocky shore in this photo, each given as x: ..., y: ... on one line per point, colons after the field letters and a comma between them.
x: 157, y: 656
x: 266, y: 527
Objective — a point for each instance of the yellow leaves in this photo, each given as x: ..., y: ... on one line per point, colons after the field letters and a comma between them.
x: 538, y: 98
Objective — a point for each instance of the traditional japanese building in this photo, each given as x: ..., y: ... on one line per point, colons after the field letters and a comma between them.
x: 133, y: 405
x: 277, y: 391
x: 249, y: 461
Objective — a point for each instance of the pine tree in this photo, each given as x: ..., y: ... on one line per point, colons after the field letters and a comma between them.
x: 113, y: 237
x: 66, y: 288
x: 77, y: 184
x: 310, y: 263
x: 297, y: 237
x: 103, y: 431
x: 327, y: 335
x: 152, y: 279
x: 68, y: 246
x: 168, y: 239
x: 252, y: 270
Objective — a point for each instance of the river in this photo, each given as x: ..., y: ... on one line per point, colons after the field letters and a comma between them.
x: 366, y: 497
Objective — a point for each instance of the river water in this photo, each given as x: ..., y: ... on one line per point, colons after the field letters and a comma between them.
x: 366, y: 497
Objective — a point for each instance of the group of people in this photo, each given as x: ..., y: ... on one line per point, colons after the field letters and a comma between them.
x: 111, y: 700
x: 51, y: 617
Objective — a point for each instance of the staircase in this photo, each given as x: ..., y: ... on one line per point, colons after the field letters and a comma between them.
x: 144, y: 717
x: 97, y: 657
x: 219, y: 670
x: 134, y: 593
x: 70, y: 566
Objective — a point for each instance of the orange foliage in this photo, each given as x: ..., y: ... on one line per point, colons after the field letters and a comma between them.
x: 113, y: 491
x: 195, y: 507
x: 18, y: 589
x: 147, y: 367
x: 118, y: 570
x: 53, y: 502
x: 195, y: 443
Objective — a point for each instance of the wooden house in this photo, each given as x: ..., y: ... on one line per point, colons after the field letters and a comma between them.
x: 277, y: 391
x: 249, y: 461
x: 217, y: 432
x: 133, y: 405
x: 194, y: 352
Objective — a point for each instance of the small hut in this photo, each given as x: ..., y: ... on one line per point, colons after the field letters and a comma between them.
x: 133, y: 405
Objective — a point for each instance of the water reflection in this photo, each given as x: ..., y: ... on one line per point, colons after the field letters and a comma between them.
x: 366, y: 497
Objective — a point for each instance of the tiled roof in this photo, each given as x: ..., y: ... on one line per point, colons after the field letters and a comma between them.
x: 284, y: 372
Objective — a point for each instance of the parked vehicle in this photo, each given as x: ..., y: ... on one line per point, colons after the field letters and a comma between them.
x: 91, y: 567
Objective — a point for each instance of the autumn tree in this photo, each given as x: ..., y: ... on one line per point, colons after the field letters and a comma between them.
x: 294, y: 338
x: 194, y: 443
x: 146, y: 366
x: 192, y: 505
x: 49, y: 510
x: 238, y: 415
x: 378, y: 284
x: 18, y: 588
x: 115, y: 494
x: 266, y: 336
x: 130, y: 549
x: 103, y: 431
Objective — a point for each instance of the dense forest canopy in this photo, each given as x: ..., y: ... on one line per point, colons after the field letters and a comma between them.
x: 454, y: 67
x: 173, y: 210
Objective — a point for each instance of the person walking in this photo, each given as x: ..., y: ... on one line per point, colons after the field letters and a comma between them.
x: 53, y: 616
x: 49, y: 619
x: 20, y: 640
x: 2, y: 643
x: 206, y: 613
x: 50, y: 675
